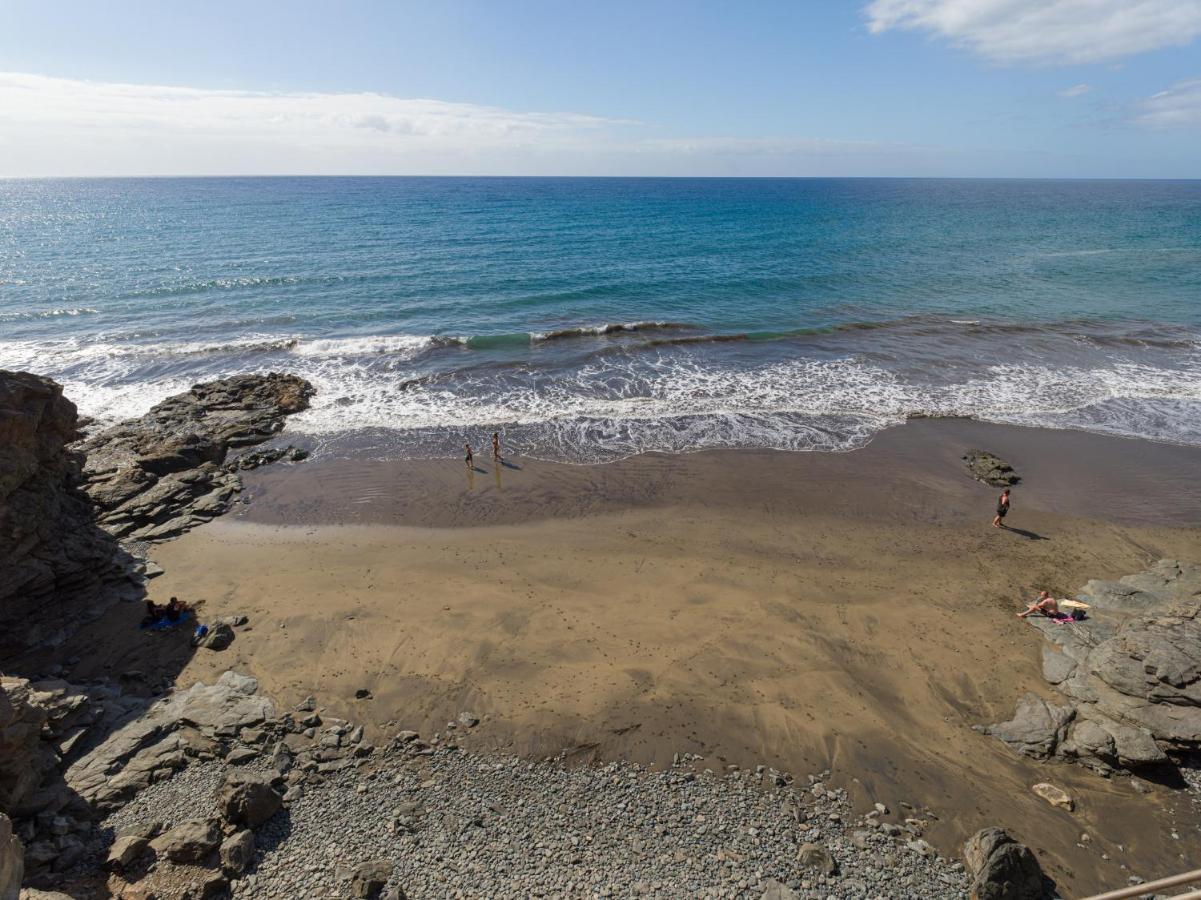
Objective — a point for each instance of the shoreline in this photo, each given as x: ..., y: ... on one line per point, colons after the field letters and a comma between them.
x: 850, y: 611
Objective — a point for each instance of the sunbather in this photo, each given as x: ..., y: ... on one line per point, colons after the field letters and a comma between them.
x: 1045, y: 604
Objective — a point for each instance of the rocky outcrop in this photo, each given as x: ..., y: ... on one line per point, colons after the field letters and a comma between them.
x: 1130, y: 674
x: 153, y: 744
x: 155, y: 477
x: 52, y: 556
x: 12, y: 860
x: 990, y: 469
x: 1003, y: 869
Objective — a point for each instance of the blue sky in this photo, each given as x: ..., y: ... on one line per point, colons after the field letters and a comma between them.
x: 1091, y: 88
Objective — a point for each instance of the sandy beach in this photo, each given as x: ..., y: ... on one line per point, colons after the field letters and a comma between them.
x: 851, y: 612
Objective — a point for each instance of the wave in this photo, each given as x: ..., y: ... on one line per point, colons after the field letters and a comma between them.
x: 47, y: 313
x: 607, y: 329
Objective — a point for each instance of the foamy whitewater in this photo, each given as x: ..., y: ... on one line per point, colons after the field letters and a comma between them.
x: 591, y: 319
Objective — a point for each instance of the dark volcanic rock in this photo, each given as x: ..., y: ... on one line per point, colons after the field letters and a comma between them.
x: 1003, y: 869
x: 248, y: 799
x: 160, y: 475
x: 52, y: 555
x: 984, y: 466
x: 1131, y: 672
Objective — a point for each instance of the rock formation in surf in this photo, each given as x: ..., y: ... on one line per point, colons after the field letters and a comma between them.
x: 157, y: 476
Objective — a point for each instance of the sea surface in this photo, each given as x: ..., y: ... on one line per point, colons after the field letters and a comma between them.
x: 592, y: 319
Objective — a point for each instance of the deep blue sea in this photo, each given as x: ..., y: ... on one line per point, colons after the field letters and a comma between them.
x: 591, y: 319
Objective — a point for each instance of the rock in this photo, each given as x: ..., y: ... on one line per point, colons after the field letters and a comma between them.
x: 468, y: 720
x: 368, y: 879
x: 1056, y: 796
x: 236, y: 851
x: 156, y: 476
x: 219, y: 637
x: 817, y: 857
x: 1036, y: 729
x: 151, y: 744
x: 248, y: 799
x: 12, y: 860
x: 990, y: 469
x: 1002, y: 869
x: 190, y: 842
x: 308, y: 704
x: 239, y: 755
x: 125, y: 851
x: 774, y: 890
x: 362, y: 694
x: 1131, y: 672
x: 57, y: 564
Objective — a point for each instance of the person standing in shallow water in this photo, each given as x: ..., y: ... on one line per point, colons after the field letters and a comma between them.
x: 469, y: 459
x: 1002, y: 509
x: 496, y: 445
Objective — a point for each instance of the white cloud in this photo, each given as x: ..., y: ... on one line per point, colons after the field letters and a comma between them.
x: 1076, y: 90
x: 1179, y: 105
x: 1053, y: 32
x: 59, y: 126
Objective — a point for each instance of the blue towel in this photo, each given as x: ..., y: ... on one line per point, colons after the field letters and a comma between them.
x: 164, y: 624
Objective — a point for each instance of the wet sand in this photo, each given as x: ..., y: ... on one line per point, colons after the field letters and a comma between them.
x: 852, y: 612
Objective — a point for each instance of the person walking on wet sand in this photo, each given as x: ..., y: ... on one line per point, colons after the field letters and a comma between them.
x: 496, y: 445
x: 470, y: 458
x: 1002, y: 509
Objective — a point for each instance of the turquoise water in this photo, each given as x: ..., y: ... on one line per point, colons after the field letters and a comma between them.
x: 594, y: 318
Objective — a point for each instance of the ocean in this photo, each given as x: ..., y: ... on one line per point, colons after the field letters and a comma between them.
x: 593, y: 319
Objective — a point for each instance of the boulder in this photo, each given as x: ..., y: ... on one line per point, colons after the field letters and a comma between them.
x: 12, y: 860
x: 125, y: 851
x: 248, y: 799
x: 237, y: 851
x: 774, y: 890
x: 990, y: 469
x: 1003, y: 869
x: 816, y: 857
x: 368, y: 879
x: 219, y: 637
x: 156, y: 476
x: 1036, y: 729
x: 1056, y: 796
x: 189, y: 842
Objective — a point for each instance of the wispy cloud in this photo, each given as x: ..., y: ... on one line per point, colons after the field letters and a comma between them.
x: 1076, y: 90
x: 1045, y: 32
x: 59, y: 126
x: 1178, y: 106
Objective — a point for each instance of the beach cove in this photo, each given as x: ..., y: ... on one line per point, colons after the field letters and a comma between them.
x: 851, y: 612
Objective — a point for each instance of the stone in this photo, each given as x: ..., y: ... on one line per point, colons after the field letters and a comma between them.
x: 189, y: 842
x: 990, y: 469
x: 368, y: 879
x: 236, y: 851
x: 218, y: 638
x: 125, y: 851
x: 1037, y: 727
x: 468, y: 720
x: 1056, y: 796
x: 12, y: 860
x: 308, y: 704
x: 1003, y: 869
x: 774, y: 890
x: 816, y: 857
x: 248, y: 799
x: 239, y: 755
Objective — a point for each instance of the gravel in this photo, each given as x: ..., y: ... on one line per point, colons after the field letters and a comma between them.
x: 456, y: 824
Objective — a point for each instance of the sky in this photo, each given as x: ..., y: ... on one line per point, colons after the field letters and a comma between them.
x: 959, y: 88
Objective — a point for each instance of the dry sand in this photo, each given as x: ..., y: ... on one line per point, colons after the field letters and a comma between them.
x: 809, y: 611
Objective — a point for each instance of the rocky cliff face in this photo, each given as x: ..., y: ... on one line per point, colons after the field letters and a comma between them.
x: 51, y: 553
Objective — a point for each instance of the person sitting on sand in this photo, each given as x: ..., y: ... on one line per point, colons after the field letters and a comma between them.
x: 1002, y: 509
x: 176, y: 609
x: 496, y: 445
x: 470, y: 459
x: 1045, y: 604
x: 152, y: 613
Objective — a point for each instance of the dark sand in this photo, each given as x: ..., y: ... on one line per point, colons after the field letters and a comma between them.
x: 808, y: 611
